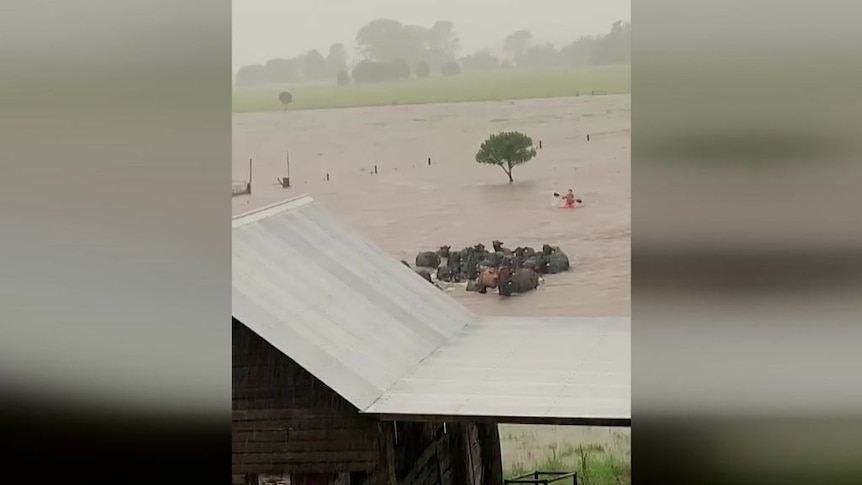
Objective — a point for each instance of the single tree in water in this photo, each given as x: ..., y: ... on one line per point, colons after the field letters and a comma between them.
x: 506, y: 150
x: 285, y: 98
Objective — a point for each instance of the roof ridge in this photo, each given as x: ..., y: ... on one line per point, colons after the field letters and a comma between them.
x: 271, y: 210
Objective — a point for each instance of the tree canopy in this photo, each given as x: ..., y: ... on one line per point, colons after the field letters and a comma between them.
x: 516, y: 43
x: 336, y: 61
x: 506, y: 150
x: 315, y: 66
x: 385, y: 42
x: 482, y: 60
x: 377, y: 72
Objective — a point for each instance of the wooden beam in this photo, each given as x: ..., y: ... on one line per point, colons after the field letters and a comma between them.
x: 387, y: 445
x: 466, y: 453
x: 492, y: 460
x: 440, y: 418
x: 305, y: 457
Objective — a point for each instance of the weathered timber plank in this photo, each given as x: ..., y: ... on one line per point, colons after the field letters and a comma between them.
x: 278, y: 390
x: 303, y: 446
x: 280, y: 468
x: 387, y: 446
x: 299, y: 424
x: 247, y: 379
x: 305, y: 457
x: 449, y: 477
x: 295, y: 413
x: 280, y: 402
x: 424, y: 466
x: 491, y: 453
x: 421, y: 476
x: 369, y: 434
x: 296, y: 397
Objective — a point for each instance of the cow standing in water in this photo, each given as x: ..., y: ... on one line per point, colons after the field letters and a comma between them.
x: 487, y: 279
x: 521, y: 280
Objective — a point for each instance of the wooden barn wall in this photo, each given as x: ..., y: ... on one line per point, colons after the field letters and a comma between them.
x: 286, y: 421
x: 425, y: 454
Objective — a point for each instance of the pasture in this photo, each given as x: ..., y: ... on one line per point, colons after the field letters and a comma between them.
x: 601, y: 456
x: 496, y: 86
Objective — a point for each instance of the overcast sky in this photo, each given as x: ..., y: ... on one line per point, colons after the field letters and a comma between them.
x: 264, y: 29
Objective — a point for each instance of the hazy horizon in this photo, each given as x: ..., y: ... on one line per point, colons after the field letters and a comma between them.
x: 266, y: 29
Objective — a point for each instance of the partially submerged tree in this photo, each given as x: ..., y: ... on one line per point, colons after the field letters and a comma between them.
x: 506, y: 150
x: 285, y: 98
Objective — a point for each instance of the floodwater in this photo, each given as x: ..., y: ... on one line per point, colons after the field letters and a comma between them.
x: 409, y: 206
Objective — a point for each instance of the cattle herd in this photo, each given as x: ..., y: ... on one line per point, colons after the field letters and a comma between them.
x: 508, y: 270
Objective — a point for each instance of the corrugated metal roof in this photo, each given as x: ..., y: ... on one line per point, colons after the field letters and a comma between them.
x: 392, y: 344
x: 340, y: 307
x: 575, y: 369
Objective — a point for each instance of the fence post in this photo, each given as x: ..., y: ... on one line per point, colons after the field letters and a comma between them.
x: 285, y: 182
x: 248, y: 185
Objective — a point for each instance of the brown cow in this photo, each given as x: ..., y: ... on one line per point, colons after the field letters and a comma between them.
x: 487, y: 279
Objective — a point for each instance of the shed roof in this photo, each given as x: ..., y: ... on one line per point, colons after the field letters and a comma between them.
x: 336, y: 304
x: 523, y: 370
x: 391, y: 344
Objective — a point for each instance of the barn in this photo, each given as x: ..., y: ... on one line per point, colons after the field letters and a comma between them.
x: 348, y: 368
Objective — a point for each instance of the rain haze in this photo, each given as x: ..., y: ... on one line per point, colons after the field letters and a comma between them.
x: 266, y: 29
x: 474, y: 141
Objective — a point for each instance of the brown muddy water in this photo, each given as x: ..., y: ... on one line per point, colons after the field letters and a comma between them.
x: 410, y: 206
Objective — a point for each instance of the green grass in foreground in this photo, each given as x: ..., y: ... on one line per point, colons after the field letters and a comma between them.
x: 466, y: 87
x: 595, y: 466
x: 600, y: 456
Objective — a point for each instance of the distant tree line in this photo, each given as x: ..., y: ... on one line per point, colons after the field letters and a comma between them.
x: 389, y: 51
x: 614, y: 47
x: 311, y: 66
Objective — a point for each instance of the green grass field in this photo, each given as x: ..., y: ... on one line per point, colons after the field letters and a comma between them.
x: 601, y: 456
x: 466, y: 87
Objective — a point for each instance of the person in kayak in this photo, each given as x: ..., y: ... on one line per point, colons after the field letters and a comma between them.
x: 569, y: 200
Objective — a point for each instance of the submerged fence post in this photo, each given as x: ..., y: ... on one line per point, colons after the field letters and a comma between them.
x: 285, y: 182
x: 248, y: 184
